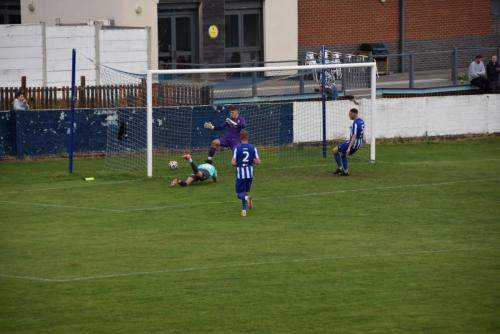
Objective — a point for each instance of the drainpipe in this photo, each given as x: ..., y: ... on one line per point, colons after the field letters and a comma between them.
x: 402, y: 20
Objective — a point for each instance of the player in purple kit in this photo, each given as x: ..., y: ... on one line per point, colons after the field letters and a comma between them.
x: 351, y: 145
x: 245, y: 155
x: 235, y: 123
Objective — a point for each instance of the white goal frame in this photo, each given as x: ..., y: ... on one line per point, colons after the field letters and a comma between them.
x: 149, y: 83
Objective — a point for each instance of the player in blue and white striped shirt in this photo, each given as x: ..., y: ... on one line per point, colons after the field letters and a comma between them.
x: 350, y: 146
x: 245, y: 155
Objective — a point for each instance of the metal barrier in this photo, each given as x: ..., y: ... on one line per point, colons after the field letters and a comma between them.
x: 412, y: 63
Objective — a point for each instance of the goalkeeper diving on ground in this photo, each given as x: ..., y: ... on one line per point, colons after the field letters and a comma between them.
x: 235, y: 123
x: 200, y: 173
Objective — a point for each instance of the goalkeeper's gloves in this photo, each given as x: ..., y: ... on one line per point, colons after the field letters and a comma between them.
x: 231, y: 122
x: 208, y: 125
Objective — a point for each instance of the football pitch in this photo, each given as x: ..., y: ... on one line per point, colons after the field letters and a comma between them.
x: 410, y: 244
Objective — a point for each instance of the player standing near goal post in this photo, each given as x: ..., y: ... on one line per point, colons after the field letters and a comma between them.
x: 244, y: 156
x: 200, y: 173
x: 350, y: 146
x: 235, y: 123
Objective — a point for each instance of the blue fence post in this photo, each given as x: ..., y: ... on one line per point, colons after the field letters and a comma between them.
x: 301, y: 84
x: 72, y: 113
x: 412, y: 70
x: 254, y: 81
x: 323, y: 98
x: 454, y: 66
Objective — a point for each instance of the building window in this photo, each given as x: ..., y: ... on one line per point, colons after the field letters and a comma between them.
x: 495, y: 7
x: 10, y: 12
x: 232, y: 31
x: 243, y: 31
x: 177, y: 33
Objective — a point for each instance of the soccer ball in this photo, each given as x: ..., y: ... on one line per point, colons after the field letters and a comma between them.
x: 173, y: 164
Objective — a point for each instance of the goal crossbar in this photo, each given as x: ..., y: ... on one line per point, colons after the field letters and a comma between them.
x: 149, y: 83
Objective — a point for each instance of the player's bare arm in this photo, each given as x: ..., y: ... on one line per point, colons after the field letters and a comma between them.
x: 353, y: 140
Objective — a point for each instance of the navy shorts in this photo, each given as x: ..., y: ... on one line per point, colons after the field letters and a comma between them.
x: 229, y: 141
x: 344, y: 146
x: 243, y: 185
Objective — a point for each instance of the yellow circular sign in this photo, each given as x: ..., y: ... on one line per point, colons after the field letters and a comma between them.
x: 213, y: 31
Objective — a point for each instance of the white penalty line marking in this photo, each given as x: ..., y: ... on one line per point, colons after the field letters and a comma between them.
x: 241, y: 265
x: 62, y: 206
x: 424, y: 162
x: 323, y: 193
x: 70, y: 185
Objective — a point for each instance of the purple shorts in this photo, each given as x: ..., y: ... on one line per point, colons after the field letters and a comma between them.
x: 229, y: 141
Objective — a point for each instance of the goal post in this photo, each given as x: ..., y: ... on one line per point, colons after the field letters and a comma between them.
x: 363, y: 74
x: 373, y: 98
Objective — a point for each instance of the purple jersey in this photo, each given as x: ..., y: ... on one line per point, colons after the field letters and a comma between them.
x: 234, y: 126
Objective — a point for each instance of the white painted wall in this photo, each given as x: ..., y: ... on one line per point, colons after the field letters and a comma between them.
x: 280, y: 30
x: 60, y: 42
x: 307, y: 119
x: 21, y: 53
x: 438, y: 116
x: 403, y: 118
x: 123, y: 12
x: 125, y: 49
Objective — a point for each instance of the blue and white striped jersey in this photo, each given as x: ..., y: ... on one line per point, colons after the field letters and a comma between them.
x: 245, y: 154
x: 358, y: 128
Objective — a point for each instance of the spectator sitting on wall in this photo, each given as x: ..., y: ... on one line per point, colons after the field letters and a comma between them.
x: 492, y: 71
x: 20, y: 102
x: 477, y: 74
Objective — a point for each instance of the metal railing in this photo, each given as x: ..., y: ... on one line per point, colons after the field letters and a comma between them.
x: 453, y: 60
x: 413, y: 63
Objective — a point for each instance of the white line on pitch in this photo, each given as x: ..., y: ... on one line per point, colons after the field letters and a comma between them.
x: 422, y: 162
x: 61, y: 206
x: 323, y: 193
x: 425, y: 162
x: 240, y: 265
x: 70, y: 185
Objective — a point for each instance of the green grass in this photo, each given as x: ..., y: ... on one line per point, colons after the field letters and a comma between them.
x: 410, y: 244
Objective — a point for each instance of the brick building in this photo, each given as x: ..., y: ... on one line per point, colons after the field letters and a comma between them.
x: 404, y: 26
x: 276, y: 30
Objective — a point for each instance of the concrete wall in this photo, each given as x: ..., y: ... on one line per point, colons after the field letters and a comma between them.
x: 129, y: 13
x: 43, y: 53
x: 280, y: 30
x: 41, y: 133
x: 404, y: 118
x: 21, y: 51
x: 44, y: 132
x: 438, y: 116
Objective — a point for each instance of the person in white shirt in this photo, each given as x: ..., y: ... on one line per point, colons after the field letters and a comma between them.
x: 477, y: 74
x: 20, y: 102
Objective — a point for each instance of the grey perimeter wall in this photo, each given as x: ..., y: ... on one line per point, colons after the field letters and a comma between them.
x: 439, y: 60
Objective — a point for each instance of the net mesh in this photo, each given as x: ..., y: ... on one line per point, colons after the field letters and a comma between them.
x: 282, y: 109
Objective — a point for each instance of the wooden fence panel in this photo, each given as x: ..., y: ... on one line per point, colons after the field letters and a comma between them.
x: 109, y: 96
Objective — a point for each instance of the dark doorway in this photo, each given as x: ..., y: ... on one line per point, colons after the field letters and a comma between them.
x: 10, y: 12
x: 243, y: 28
x: 177, y: 39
